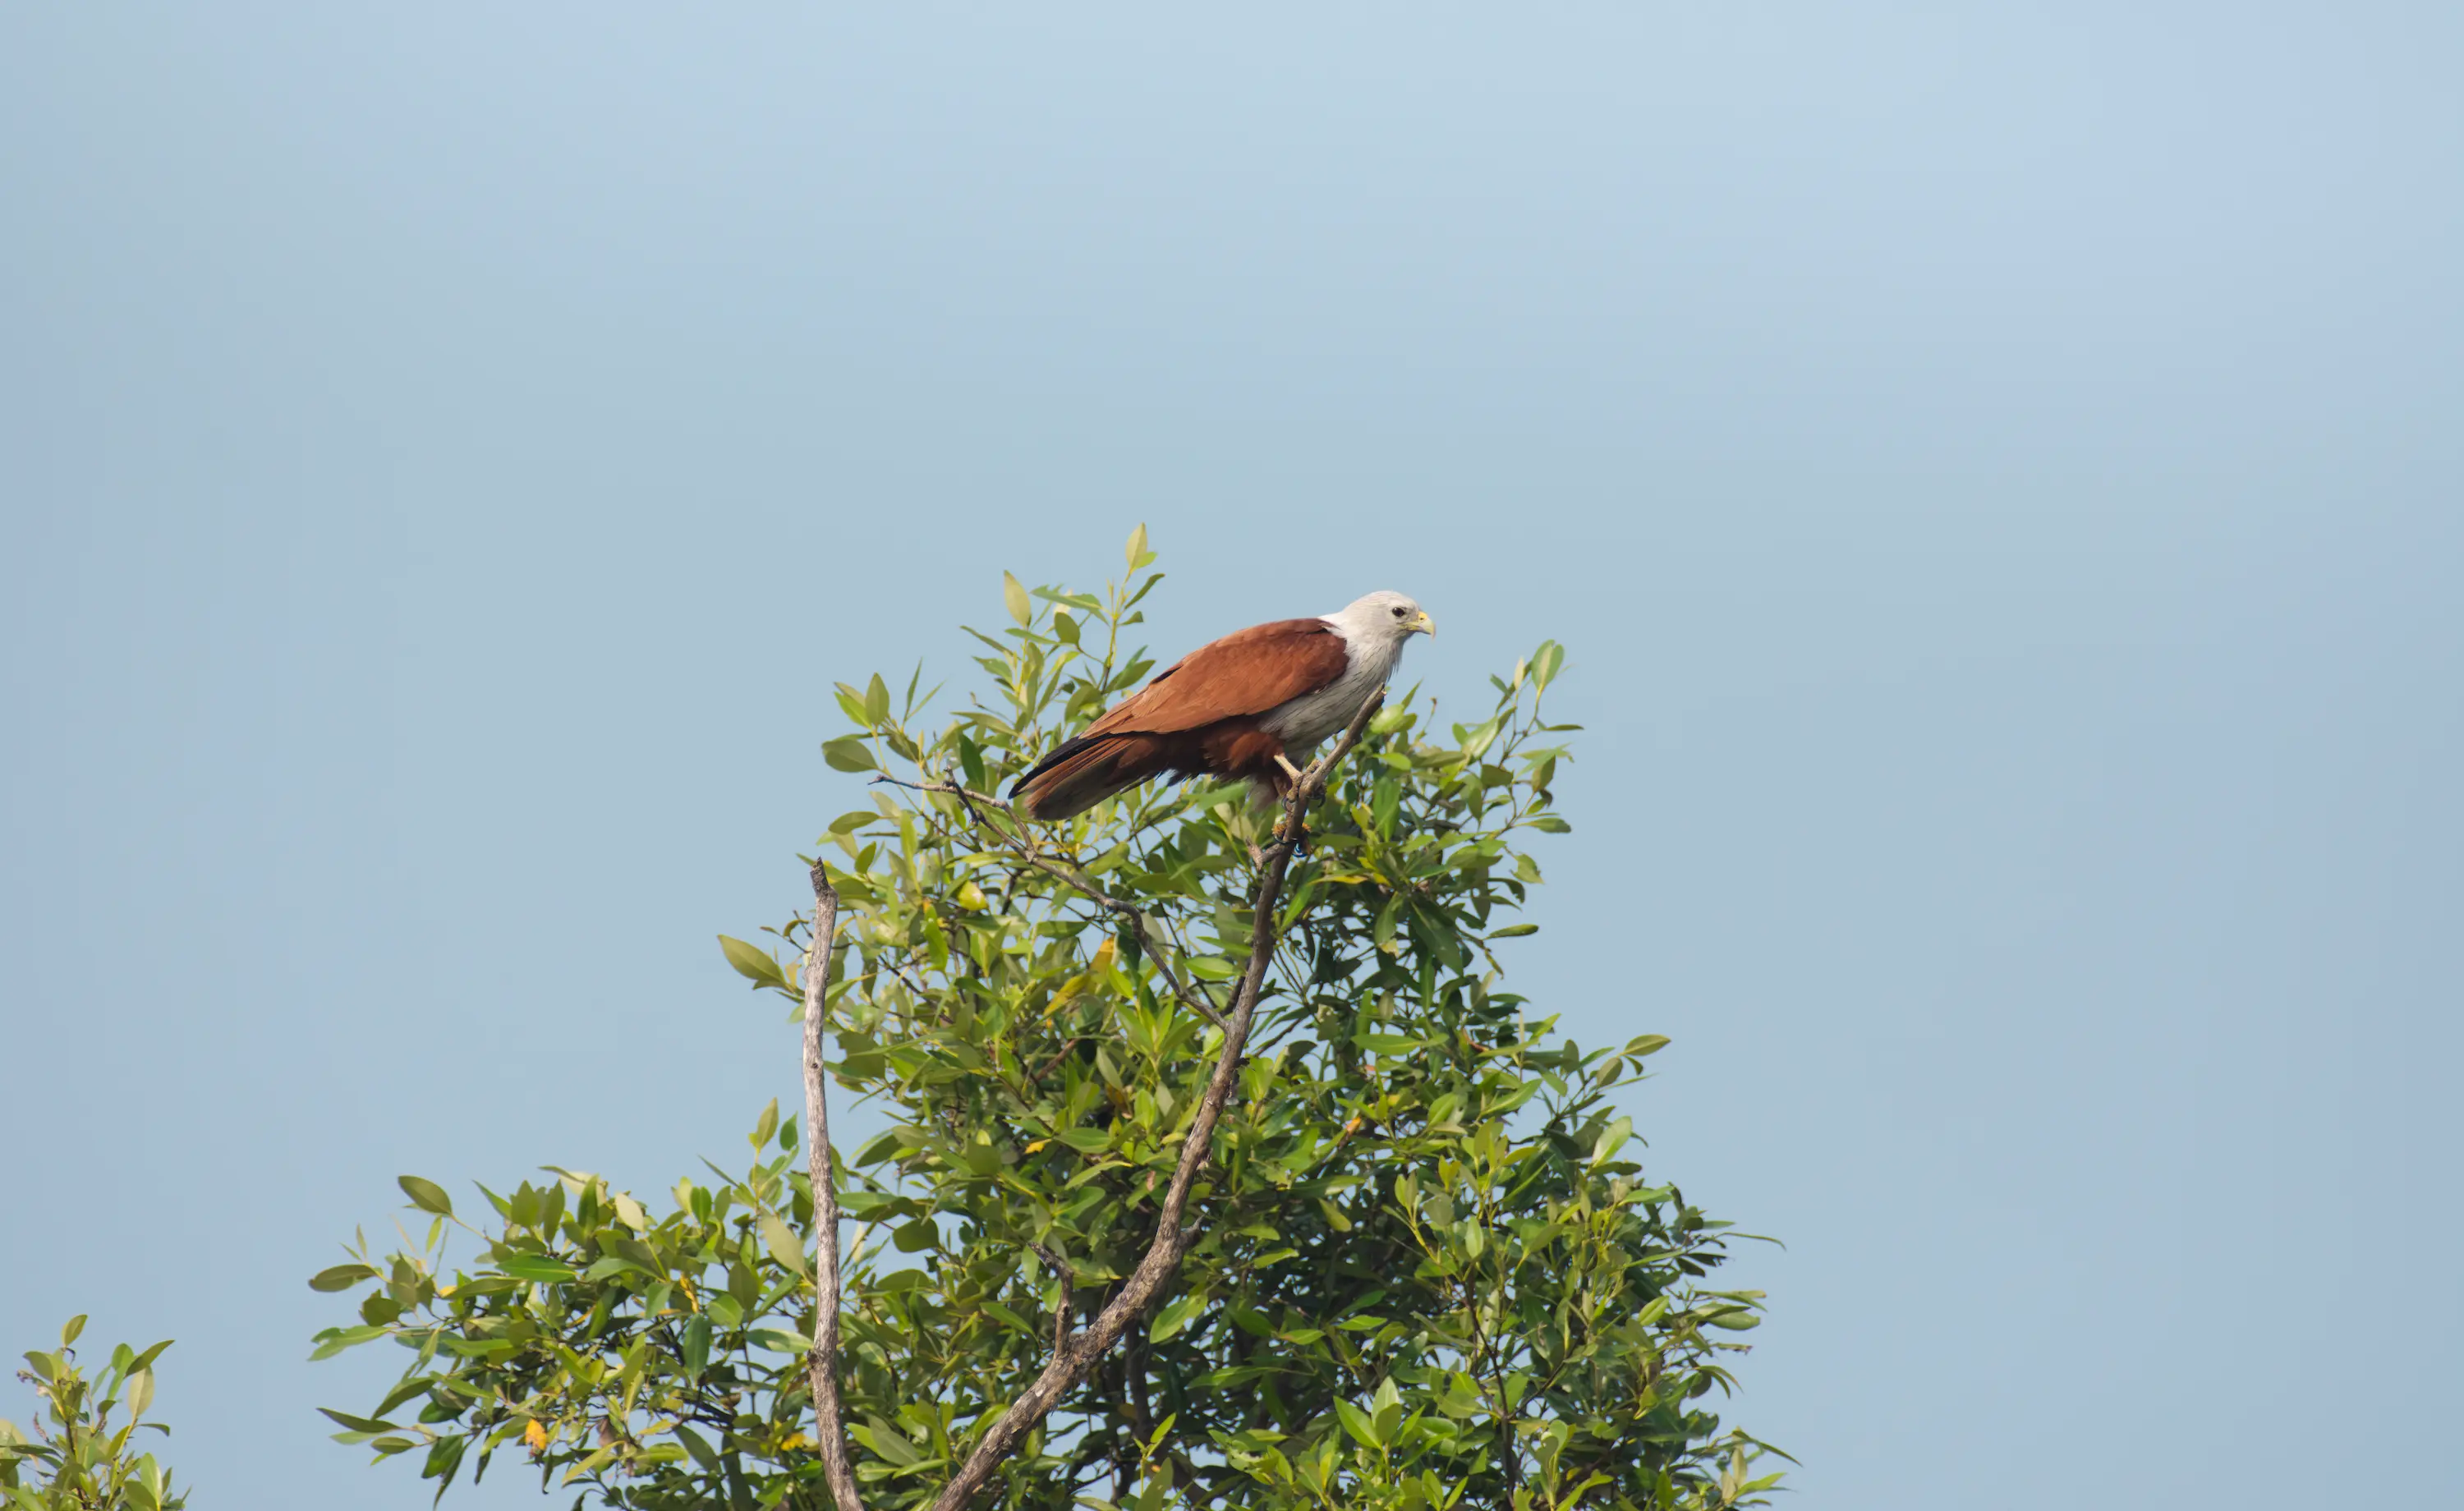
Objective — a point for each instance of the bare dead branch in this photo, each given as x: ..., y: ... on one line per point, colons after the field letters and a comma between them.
x: 822, y: 1365
x: 1077, y: 1355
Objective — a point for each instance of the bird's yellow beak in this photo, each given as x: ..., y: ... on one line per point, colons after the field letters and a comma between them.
x: 1425, y: 624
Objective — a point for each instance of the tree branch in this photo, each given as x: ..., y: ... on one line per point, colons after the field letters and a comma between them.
x: 822, y: 1366
x: 1078, y: 1355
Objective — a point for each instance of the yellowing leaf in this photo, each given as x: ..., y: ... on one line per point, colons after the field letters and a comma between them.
x: 1014, y: 594
x: 1070, y: 989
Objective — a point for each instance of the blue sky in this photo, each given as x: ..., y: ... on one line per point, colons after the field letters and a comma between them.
x: 1997, y: 468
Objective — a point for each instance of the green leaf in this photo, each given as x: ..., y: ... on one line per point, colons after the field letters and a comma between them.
x: 1014, y: 595
x: 779, y: 1340
x: 70, y: 1329
x: 876, y: 700
x: 751, y: 961
x: 1200, y: 798
x: 698, y: 1446
x: 540, y: 1269
x: 1159, y: 1484
x: 1515, y: 930
x: 1545, y: 663
x: 887, y: 1441
x: 1137, y: 552
x: 334, y: 1340
x: 849, y: 754
x: 1642, y: 1045
x: 426, y: 1194
x: 1176, y: 1315
x: 697, y: 1346
x: 782, y: 1241
x: 1359, y: 1424
x: 341, y: 1277
x: 359, y: 1424
x: 140, y: 1393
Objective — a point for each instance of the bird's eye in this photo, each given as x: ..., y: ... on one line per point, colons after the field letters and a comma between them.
x: 1398, y: 613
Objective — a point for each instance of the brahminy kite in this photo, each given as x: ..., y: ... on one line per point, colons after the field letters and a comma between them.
x: 1241, y: 707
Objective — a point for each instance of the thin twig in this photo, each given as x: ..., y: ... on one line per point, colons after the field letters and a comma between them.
x: 1068, y: 1289
x: 1081, y: 1351
x: 823, y: 1366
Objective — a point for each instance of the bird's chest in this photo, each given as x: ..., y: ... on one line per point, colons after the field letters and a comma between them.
x: 1312, y: 716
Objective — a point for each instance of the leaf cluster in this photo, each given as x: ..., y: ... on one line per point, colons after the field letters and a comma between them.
x: 1429, y: 1269
x: 74, y: 1457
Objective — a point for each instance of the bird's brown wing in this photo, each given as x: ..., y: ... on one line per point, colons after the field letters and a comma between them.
x: 1248, y: 672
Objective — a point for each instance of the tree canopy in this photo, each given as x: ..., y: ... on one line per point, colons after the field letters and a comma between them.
x: 1426, y: 1266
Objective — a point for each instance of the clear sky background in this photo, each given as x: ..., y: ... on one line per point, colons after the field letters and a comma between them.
x: 1999, y: 470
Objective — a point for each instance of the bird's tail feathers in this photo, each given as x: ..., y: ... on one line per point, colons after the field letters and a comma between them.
x: 1082, y: 772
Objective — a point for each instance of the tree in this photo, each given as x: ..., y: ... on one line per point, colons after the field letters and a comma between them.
x: 78, y: 1460
x: 1417, y: 1267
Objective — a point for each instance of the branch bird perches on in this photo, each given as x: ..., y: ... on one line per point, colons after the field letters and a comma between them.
x: 1074, y: 1355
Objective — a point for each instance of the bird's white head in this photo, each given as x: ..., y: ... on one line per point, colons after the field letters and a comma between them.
x: 1383, y: 617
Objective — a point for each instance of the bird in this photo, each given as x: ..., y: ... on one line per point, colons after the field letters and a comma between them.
x: 1242, y: 706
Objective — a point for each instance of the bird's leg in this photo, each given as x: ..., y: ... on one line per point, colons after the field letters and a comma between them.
x: 1277, y: 790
